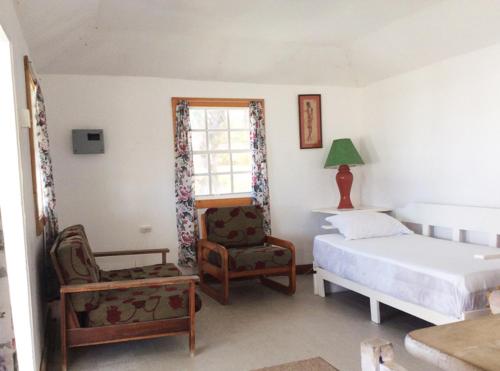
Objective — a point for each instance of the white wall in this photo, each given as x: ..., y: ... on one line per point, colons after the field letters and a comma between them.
x: 133, y: 182
x: 11, y: 26
x: 429, y: 135
x: 433, y: 135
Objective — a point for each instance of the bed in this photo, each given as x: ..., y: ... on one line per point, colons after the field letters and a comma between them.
x: 434, y: 279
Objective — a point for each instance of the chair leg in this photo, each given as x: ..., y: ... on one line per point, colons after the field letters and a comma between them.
x: 64, y: 343
x: 222, y: 295
x: 192, y: 314
x: 225, y: 288
x: 292, y: 282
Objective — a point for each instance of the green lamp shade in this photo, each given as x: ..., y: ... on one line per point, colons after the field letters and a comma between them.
x: 343, y: 152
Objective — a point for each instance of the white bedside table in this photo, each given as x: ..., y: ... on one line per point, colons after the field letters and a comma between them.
x: 336, y: 211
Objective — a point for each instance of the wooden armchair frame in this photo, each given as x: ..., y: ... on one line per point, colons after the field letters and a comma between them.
x: 74, y: 335
x: 223, y: 275
x: 163, y: 253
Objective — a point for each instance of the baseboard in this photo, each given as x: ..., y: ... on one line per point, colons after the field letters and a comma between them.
x: 304, y: 268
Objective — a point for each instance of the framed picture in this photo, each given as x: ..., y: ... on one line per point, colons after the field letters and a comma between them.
x: 310, y: 121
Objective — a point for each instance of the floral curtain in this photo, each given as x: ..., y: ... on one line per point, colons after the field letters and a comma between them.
x: 7, y: 343
x: 260, y: 182
x: 187, y: 218
x: 51, y: 228
x: 45, y: 161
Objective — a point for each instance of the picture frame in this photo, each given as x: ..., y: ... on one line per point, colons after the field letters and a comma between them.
x: 310, y: 121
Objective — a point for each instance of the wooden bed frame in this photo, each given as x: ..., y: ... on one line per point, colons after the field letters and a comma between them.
x: 457, y: 218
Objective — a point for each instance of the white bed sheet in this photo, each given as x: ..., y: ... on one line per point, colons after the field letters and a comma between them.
x: 438, y: 274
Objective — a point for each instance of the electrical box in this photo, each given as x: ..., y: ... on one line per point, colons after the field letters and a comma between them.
x: 88, y: 141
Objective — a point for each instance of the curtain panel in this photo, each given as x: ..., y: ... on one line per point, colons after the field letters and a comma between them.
x: 7, y: 343
x: 260, y: 182
x: 187, y: 218
x: 51, y: 229
x: 45, y: 163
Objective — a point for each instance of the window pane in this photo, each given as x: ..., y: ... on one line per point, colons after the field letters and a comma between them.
x: 217, y: 119
x: 220, y: 162
x: 199, y: 140
x: 239, y: 118
x: 240, y: 140
x: 197, y: 118
x: 200, y: 164
x: 242, y: 182
x: 221, y: 184
x: 242, y: 161
x: 218, y: 140
x: 201, y: 185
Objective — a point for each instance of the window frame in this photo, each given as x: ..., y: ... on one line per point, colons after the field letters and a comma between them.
x: 232, y: 199
x: 31, y: 84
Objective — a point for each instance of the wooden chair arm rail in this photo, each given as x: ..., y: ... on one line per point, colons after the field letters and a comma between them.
x: 206, y: 244
x: 114, y: 285
x: 279, y: 242
x: 130, y: 252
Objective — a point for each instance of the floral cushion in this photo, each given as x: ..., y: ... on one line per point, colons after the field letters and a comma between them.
x: 77, y: 268
x: 149, y: 271
x: 235, y: 226
x: 251, y: 258
x: 140, y: 305
x: 116, y: 275
x: 78, y: 230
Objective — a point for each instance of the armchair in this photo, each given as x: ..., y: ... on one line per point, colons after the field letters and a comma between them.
x: 236, y: 246
x: 100, y: 307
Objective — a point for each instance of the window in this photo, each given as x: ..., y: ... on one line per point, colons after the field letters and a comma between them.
x: 221, y: 150
x: 31, y: 91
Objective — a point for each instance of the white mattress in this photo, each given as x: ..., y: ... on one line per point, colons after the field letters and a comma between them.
x: 437, y: 274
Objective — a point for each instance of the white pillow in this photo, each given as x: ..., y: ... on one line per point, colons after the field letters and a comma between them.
x: 366, y: 224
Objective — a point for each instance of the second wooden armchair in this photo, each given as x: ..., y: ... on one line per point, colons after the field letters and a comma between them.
x: 236, y: 246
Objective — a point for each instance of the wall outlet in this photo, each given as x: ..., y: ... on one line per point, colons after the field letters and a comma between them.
x: 24, y: 118
x: 145, y: 228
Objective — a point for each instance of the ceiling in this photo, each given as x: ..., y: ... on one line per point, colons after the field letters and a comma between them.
x: 315, y: 42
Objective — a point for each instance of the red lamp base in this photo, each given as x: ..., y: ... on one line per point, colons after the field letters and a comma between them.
x: 344, y: 181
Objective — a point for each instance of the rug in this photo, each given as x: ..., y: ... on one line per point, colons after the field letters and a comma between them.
x: 311, y: 364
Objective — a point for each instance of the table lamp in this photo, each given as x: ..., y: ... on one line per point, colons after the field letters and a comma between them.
x: 342, y: 154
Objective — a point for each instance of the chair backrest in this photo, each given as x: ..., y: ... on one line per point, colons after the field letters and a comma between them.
x: 240, y: 226
x: 75, y: 264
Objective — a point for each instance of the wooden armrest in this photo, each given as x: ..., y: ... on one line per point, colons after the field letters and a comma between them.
x: 206, y: 244
x: 115, y: 285
x: 279, y: 242
x: 163, y: 253
x: 130, y: 252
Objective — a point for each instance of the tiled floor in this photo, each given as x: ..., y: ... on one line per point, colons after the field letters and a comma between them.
x: 262, y: 328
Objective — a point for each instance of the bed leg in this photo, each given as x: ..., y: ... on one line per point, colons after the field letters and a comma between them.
x: 319, y: 285
x: 375, y: 310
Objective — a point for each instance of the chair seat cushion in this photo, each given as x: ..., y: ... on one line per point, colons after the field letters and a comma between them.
x: 240, y: 226
x: 252, y: 258
x: 140, y: 305
x: 149, y: 271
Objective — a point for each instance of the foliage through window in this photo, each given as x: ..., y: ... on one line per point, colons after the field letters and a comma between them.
x: 221, y: 150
